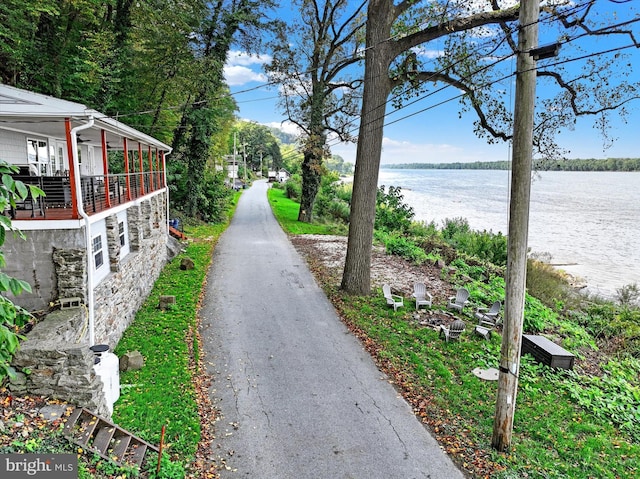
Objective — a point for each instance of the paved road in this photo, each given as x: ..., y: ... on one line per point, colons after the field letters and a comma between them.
x: 299, y: 397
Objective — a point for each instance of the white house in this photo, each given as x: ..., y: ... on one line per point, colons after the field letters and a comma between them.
x: 98, y: 238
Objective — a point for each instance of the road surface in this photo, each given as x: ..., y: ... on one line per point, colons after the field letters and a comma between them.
x: 299, y: 396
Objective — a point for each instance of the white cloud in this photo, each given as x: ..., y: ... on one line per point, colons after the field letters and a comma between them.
x: 242, y: 68
x: 237, y: 57
x: 427, y: 53
x: 286, y: 126
x: 239, y: 75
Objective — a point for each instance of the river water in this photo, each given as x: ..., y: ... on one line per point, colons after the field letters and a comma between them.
x: 589, y: 222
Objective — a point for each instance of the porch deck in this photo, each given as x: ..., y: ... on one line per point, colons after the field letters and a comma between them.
x: 57, y: 202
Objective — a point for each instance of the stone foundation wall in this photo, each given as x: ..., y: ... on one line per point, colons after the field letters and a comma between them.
x: 55, y: 361
x: 119, y: 296
x: 38, y: 259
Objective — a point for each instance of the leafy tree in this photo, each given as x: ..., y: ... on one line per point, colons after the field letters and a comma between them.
x: 257, y: 143
x: 12, y: 317
x: 201, y: 120
x: 311, y: 58
x: 392, y: 214
x: 476, y: 37
x: 336, y: 163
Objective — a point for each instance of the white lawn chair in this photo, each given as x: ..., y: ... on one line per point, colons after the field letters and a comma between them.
x: 423, y: 297
x: 458, y: 301
x: 392, y: 299
x: 453, y: 331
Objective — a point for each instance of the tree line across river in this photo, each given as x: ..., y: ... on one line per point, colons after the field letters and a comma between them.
x: 609, y: 164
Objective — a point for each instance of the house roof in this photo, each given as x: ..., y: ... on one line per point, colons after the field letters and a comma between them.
x: 37, y: 114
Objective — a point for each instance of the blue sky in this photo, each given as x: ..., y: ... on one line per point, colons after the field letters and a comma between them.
x: 438, y: 134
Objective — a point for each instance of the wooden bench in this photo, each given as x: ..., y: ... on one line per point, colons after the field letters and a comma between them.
x: 546, y: 352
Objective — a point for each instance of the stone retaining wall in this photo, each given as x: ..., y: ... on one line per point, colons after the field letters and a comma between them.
x: 55, y: 361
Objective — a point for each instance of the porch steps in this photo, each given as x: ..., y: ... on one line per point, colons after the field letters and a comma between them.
x: 177, y: 233
x: 97, y: 435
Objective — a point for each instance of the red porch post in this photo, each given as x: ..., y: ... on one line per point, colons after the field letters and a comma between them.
x: 126, y: 169
x: 141, y: 169
x: 105, y: 168
x: 164, y: 169
x: 150, y: 157
x: 72, y: 170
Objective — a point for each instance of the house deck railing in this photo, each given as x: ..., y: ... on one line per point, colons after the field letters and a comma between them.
x: 96, y: 196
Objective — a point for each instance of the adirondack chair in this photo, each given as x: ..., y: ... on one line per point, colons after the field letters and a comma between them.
x: 423, y: 297
x: 392, y: 299
x: 453, y: 331
x: 488, y: 319
x: 458, y: 301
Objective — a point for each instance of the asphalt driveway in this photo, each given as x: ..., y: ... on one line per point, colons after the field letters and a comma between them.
x: 298, y: 395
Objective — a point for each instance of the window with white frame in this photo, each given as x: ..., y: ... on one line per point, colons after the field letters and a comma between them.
x: 38, y: 156
x: 98, y: 256
x: 122, y: 233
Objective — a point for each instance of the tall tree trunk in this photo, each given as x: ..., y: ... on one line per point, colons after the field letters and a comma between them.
x: 311, y: 178
x: 356, y: 278
x: 313, y: 155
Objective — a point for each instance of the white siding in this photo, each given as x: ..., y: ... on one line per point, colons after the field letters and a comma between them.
x: 13, y: 147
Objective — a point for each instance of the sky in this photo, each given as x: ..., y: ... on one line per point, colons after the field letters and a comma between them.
x: 431, y: 131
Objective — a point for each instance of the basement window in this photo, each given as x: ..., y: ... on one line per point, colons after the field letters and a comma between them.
x: 98, y: 257
x: 121, y: 233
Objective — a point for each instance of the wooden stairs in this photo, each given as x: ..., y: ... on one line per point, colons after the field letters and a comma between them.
x: 96, y: 434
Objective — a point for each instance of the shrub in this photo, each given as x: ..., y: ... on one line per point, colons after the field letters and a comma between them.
x: 484, y: 245
x: 548, y: 284
x: 391, y: 213
x: 401, y: 246
x: 293, y: 187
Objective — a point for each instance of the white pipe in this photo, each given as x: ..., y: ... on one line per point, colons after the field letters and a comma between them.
x: 87, y: 227
x: 166, y: 186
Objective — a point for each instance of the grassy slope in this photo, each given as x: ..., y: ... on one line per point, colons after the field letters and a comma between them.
x: 553, y: 437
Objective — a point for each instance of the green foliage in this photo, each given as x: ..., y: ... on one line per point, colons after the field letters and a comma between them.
x: 336, y: 163
x: 548, y: 284
x: 286, y: 212
x: 401, y: 246
x: 628, y: 294
x: 613, y: 397
x: 12, y: 316
x: 555, y: 435
x: 257, y: 145
x: 293, y: 187
x: 332, y: 202
x: 608, y: 321
x: 484, y: 245
x: 162, y: 393
x: 392, y: 214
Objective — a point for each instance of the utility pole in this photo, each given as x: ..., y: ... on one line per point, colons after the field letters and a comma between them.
x: 235, y: 152
x: 244, y: 159
x: 518, y: 225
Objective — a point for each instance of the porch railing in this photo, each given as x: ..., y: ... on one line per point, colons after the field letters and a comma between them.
x: 99, y: 192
